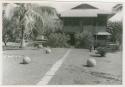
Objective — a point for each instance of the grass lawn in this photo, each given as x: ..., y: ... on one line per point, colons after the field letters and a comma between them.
x: 15, y: 73
x: 73, y: 71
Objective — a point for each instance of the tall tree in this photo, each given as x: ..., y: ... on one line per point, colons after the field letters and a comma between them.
x: 26, y: 17
x: 115, y: 25
x: 32, y: 17
x: 117, y: 7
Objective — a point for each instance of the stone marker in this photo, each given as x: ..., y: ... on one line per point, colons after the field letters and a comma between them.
x: 26, y: 60
x: 91, y: 62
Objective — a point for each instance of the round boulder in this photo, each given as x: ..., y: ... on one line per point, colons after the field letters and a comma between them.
x: 26, y: 60
x: 48, y: 50
x: 91, y: 62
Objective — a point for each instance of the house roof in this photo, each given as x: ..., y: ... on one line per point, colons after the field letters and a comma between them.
x: 83, y: 10
x: 84, y: 6
x: 79, y: 13
x: 84, y: 13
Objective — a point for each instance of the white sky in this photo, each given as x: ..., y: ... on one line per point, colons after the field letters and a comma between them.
x: 62, y: 6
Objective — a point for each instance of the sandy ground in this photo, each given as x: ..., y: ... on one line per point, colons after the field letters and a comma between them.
x: 73, y: 71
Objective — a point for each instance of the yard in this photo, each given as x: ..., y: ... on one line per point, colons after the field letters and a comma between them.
x: 30, y: 29
x: 73, y: 70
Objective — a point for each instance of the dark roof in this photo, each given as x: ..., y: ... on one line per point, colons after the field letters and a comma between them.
x: 84, y: 6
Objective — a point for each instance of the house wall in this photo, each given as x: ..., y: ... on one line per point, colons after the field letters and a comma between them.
x: 79, y: 24
x: 101, y: 23
x: 71, y: 24
x: 87, y: 25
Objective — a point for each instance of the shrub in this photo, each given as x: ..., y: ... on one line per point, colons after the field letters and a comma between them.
x: 58, y: 40
x: 36, y: 45
x: 101, y: 51
x: 84, y: 40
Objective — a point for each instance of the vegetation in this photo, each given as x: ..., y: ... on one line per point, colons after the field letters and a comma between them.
x: 117, y: 7
x: 25, y: 21
x: 28, y: 20
x: 84, y: 40
x: 58, y: 40
x: 101, y: 51
x: 115, y: 28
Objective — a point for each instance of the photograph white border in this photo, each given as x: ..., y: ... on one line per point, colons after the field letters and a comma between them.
x: 37, y: 1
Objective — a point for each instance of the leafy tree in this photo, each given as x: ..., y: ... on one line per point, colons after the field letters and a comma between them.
x: 9, y: 30
x: 117, y: 7
x: 33, y: 20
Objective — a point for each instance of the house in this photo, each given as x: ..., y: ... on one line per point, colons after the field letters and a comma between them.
x: 86, y: 18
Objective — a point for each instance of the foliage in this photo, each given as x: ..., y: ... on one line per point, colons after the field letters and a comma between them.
x: 84, y: 40
x: 10, y: 30
x: 115, y: 28
x: 118, y: 7
x: 51, y: 21
x: 101, y: 51
x: 58, y: 40
x: 30, y: 20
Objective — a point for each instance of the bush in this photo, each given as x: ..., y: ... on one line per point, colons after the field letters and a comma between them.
x: 101, y: 51
x: 36, y: 45
x: 58, y: 40
x: 84, y: 40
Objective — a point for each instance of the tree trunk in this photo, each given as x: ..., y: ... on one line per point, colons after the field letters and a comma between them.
x: 5, y: 43
x: 22, y: 43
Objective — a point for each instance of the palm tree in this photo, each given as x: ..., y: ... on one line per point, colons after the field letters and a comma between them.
x: 117, y: 7
x: 26, y: 17
x: 33, y: 17
x: 114, y: 25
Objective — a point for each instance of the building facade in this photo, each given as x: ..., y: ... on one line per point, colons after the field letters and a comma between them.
x: 86, y: 18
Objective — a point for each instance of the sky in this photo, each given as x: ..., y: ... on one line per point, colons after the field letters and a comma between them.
x: 63, y: 6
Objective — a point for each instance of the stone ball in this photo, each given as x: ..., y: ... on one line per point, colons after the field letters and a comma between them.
x: 48, y: 50
x: 26, y: 60
x: 91, y: 62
